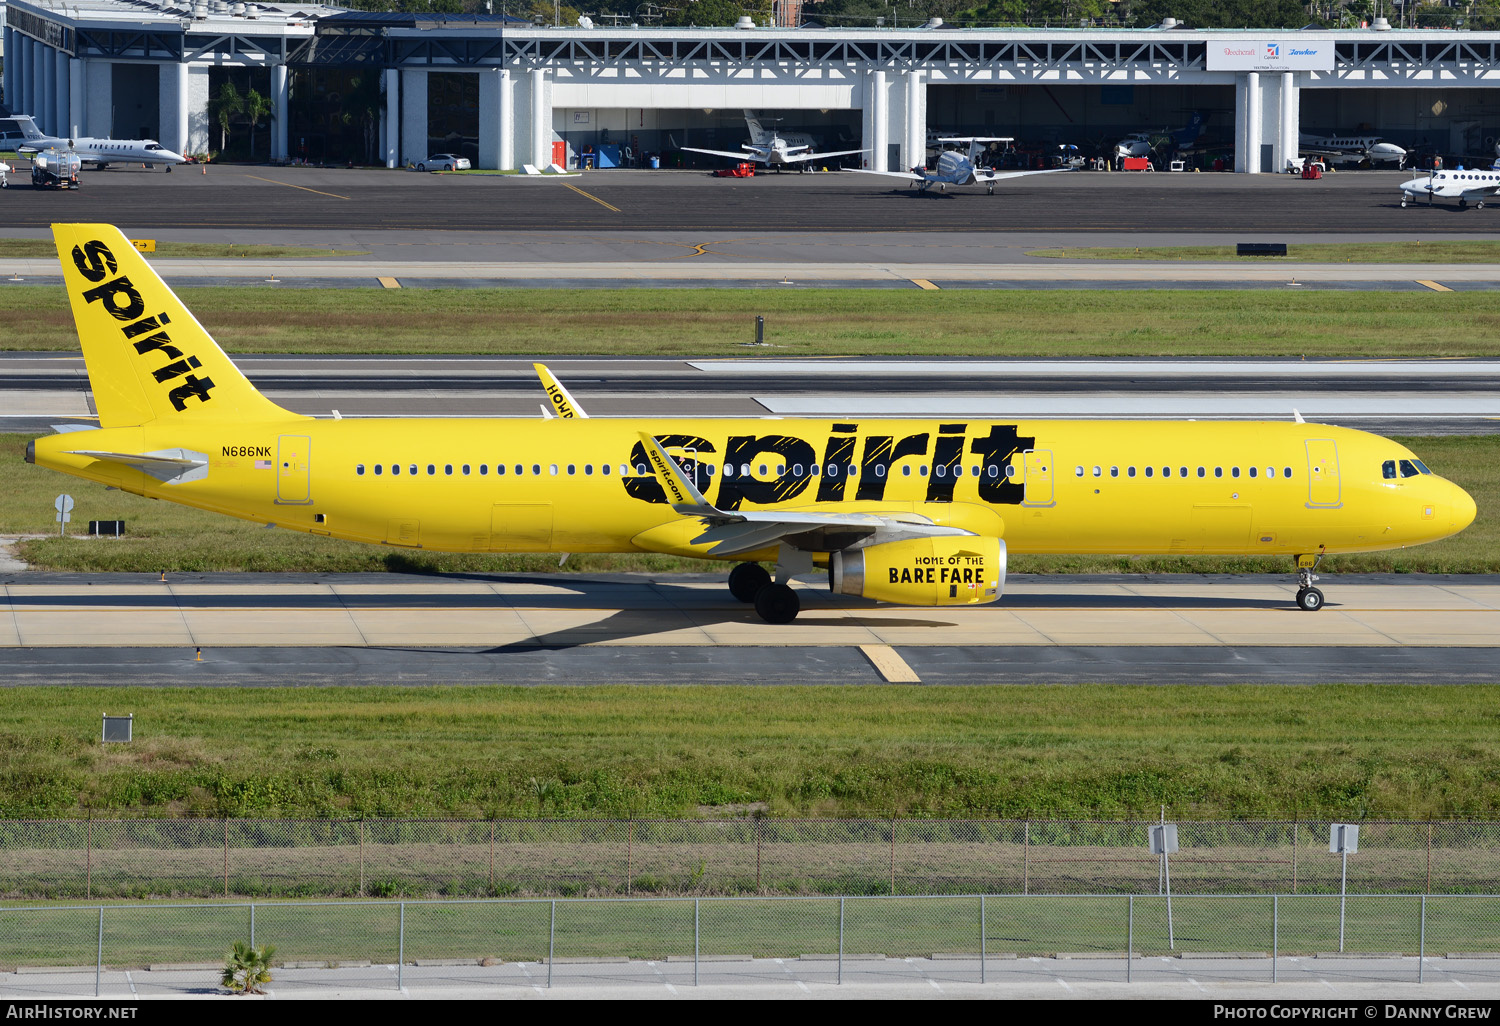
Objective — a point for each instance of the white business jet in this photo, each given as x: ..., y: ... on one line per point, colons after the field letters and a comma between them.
x: 1343, y: 148
x: 955, y: 167
x: 773, y: 149
x: 1461, y: 184
x: 27, y: 138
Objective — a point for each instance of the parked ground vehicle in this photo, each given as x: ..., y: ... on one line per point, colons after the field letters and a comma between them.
x: 55, y: 168
x: 445, y: 162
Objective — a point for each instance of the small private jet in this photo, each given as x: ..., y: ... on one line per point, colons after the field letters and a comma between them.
x: 1147, y: 144
x: 1355, y: 148
x: 1461, y: 184
x: 771, y: 148
x: 27, y: 138
x: 956, y: 167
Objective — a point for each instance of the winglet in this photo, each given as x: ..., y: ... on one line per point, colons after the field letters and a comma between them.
x: 681, y: 492
x: 1297, y: 416
x: 563, y: 404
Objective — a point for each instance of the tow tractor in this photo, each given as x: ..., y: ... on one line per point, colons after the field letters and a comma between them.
x: 744, y: 169
x: 55, y: 168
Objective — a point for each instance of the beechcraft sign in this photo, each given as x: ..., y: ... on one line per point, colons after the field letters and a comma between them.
x: 1270, y: 55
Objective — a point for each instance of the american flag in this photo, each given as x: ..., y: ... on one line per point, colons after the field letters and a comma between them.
x: 262, y: 464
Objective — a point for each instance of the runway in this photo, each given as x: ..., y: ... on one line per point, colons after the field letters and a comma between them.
x: 627, y: 628
x: 1389, y: 397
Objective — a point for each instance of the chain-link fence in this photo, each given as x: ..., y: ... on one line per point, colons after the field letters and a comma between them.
x: 395, y: 858
x: 973, y: 938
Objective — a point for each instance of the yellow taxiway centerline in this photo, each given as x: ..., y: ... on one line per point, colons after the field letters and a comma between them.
x: 585, y: 195
x: 304, y: 188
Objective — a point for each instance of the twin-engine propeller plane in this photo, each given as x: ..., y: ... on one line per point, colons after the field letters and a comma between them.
x: 956, y: 167
x: 1461, y: 184
x: 908, y: 511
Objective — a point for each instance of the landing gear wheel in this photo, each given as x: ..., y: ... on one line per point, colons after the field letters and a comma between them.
x: 1463, y: 204
x: 777, y: 603
x: 1404, y: 198
x: 1310, y: 599
x: 746, y: 580
x: 1479, y: 205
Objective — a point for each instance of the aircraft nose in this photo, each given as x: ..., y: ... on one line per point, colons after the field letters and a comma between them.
x: 1462, y: 509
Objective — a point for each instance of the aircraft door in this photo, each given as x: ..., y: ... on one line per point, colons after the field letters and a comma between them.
x: 1323, y: 486
x: 1038, y: 479
x: 293, y: 470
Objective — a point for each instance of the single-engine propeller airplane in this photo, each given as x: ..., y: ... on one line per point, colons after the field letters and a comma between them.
x: 956, y: 168
x: 773, y: 149
x: 909, y: 511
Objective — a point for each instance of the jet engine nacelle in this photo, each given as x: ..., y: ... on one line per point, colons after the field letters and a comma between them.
x: 947, y: 571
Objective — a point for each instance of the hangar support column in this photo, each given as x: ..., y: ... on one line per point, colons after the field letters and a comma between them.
x: 61, y: 105
x: 10, y: 68
x: 914, y: 146
x: 280, y: 115
x: 78, y: 108
x: 491, y: 120
x: 413, y: 116
x: 1248, y: 129
x: 879, y: 115
x: 390, y: 118
x: 34, y: 66
x: 174, y: 107
x: 1290, y: 127
x: 541, y: 119
x: 48, y: 92
x: 507, y: 121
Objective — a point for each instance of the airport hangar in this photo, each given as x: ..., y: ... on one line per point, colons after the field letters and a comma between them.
x: 394, y: 88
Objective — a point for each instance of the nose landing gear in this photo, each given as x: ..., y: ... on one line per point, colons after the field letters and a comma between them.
x: 1308, y: 597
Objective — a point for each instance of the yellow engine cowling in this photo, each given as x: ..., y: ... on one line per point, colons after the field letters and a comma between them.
x: 947, y: 571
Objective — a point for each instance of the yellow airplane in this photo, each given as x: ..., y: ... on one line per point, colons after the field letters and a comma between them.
x: 908, y: 511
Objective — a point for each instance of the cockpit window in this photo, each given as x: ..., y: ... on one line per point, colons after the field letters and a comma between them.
x: 1388, y: 470
x: 1408, y: 469
x: 1421, y: 466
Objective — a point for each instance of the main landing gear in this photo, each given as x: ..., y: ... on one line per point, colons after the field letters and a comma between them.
x: 774, y: 601
x: 1308, y: 597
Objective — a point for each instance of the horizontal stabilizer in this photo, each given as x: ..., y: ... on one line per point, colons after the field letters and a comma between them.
x: 141, y: 460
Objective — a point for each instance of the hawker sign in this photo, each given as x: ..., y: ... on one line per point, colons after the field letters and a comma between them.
x: 1270, y: 55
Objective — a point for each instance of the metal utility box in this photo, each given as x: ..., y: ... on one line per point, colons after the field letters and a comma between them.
x: 1343, y: 838
x: 1164, y: 839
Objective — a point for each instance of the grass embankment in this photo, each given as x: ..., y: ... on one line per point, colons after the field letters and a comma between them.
x: 169, y: 250
x: 817, y: 322
x: 163, y: 536
x: 1090, y: 750
x: 1413, y: 252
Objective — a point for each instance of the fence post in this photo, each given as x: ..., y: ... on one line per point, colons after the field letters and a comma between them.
x: 1275, y: 931
x: 551, y: 944
x: 88, y: 886
x: 492, y: 858
x: 893, y: 856
x: 226, y: 856
x: 695, y: 942
x: 1422, y: 938
x: 629, y: 855
x: 252, y: 924
x: 99, y: 960
x: 982, y: 952
x: 401, y: 946
x: 841, y: 940
x: 1294, y: 856
x: 361, y: 856
x: 1026, y: 860
x: 1429, y: 857
x: 1129, y: 932
x: 758, y: 824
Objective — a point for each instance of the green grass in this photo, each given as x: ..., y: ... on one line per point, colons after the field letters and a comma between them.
x: 1063, y: 751
x: 163, y: 536
x: 1406, y: 252
x: 815, y: 322
x: 206, y: 250
x: 899, y: 927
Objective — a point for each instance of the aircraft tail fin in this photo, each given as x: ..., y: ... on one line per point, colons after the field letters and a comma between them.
x: 27, y: 124
x: 757, y: 132
x: 148, y: 358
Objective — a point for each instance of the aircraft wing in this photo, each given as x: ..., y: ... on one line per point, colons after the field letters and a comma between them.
x: 981, y: 175
x: 730, y: 533
x: 756, y: 154
x: 820, y: 156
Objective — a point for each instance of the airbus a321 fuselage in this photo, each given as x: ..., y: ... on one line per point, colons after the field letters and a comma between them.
x: 909, y: 511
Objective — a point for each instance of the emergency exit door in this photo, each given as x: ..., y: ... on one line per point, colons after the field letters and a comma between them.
x: 293, y: 470
x: 1323, y: 486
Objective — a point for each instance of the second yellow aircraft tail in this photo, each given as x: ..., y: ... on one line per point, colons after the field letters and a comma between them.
x: 148, y: 357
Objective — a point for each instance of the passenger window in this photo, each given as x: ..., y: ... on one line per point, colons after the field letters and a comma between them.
x: 604, y: 469
x: 1166, y: 471
x: 813, y: 469
x: 413, y: 469
x: 781, y: 470
x: 1234, y: 471
x: 762, y: 470
x: 853, y: 470
x: 395, y: 468
x: 1010, y: 470
x: 1184, y: 471
x: 1201, y: 472
x: 484, y: 470
x: 1114, y: 471
x: 833, y: 470
x: 1252, y: 471
x: 1130, y: 472
x: 466, y: 470
x: 993, y: 471
x: 1218, y: 472
x: 906, y: 470
x: 879, y: 470
x: 1077, y: 471
x: 551, y: 468
x: 796, y: 470
x: 939, y: 470
x: 499, y: 468
x: 1407, y: 470
x: 377, y: 469
x: 1286, y: 471
x: 520, y: 469
x: 360, y: 470
x: 431, y: 470
x: 729, y: 470
x: 1148, y: 471
x: 1388, y: 470
x: 1270, y: 471
x: 922, y: 470
x: 448, y: 469
x: 588, y: 470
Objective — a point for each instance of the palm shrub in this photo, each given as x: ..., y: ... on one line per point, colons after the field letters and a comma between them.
x: 246, y: 968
